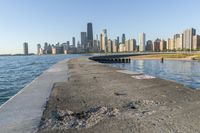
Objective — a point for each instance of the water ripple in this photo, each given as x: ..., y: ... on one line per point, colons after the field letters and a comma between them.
x: 17, y: 71
x: 184, y: 72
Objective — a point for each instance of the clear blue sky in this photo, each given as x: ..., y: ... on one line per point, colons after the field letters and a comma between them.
x: 38, y: 21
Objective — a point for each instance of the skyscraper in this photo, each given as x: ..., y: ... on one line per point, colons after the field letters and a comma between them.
x: 96, y: 47
x: 115, y: 46
x: 178, y: 41
x: 25, y: 45
x: 110, y: 46
x: 90, y: 35
x: 170, y: 44
x: 126, y: 46
x: 73, y: 41
x: 132, y: 45
x: 68, y: 45
x: 38, y: 49
x: 123, y: 38
x: 78, y: 44
x: 163, y: 45
x: 104, y: 41
x: 188, y: 38
x: 196, y: 42
x: 101, y: 42
x: 84, y: 40
x: 118, y: 41
x: 156, y: 45
x: 45, y: 46
x: 98, y: 43
x: 149, y: 46
x: 142, y: 39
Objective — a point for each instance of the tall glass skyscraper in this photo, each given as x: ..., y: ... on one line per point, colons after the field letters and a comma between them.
x: 74, y: 41
x: 90, y: 35
x: 123, y: 38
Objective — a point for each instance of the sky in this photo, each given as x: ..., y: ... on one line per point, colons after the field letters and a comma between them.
x: 52, y: 21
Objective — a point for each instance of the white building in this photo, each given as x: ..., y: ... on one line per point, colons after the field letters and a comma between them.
x: 188, y: 38
x: 104, y: 41
x: 142, y: 39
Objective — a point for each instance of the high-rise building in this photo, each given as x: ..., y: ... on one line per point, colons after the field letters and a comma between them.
x: 178, y: 41
x: 157, y: 45
x: 126, y: 46
x: 68, y: 45
x: 163, y: 45
x: 45, y: 46
x: 90, y: 35
x: 110, y: 46
x: 78, y: 44
x: 188, y: 38
x: 196, y: 42
x: 149, y: 46
x: 132, y: 45
x: 115, y: 46
x: 54, y: 51
x: 181, y: 42
x: 95, y: 46
x: 123, y: 38
x: 73, y: 41
x: 49, y: 49
x: 101, y: 42
x: 98, y: 43
x: 170, y: 44
x: 38, y: 48
x: 84, y: 40
x: 121, y: 47
x: 118, y: 41
x: 25, y: 46
x: 104, y: 41
x: 142, y: 39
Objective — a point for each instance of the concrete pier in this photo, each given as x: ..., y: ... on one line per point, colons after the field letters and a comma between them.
x: 23, y: 112
x: 102, y: 99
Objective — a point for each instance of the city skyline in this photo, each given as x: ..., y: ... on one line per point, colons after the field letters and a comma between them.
x: 188, y: 40
x: 49, y: 21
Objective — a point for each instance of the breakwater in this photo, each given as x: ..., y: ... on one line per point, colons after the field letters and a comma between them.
x: 99, y: 98
x: 116, y: 58
x: 22, y: 113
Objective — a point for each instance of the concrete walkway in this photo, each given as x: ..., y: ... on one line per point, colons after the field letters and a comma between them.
x: 102, y: 99
x: 23, y: 112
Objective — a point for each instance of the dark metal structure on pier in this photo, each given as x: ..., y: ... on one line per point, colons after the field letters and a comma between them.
x: 114, y: 58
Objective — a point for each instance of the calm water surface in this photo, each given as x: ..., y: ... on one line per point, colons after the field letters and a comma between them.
x: 17, y: 71
x: 184, y: 72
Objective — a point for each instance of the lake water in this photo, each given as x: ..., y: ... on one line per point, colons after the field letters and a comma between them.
x: 184, y: 72
x: 17, y: 71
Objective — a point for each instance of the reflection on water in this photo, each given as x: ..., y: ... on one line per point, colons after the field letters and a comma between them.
x: 185, y: 72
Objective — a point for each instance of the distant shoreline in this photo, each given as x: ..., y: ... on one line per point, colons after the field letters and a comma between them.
x: 178, y: 56
x: 16, y: 54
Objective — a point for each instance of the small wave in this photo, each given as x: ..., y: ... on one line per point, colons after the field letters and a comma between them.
x: 18, y: 71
